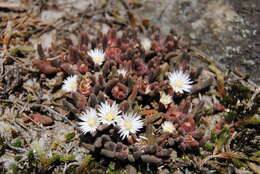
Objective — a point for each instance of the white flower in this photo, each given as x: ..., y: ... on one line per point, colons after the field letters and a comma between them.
x: 146, y: 44
x: 165, y: 99
x: 97, y: 55
x: 167, y: 126
x: 70, y: 84
x: 109, y: 114
x: 90, y: 121
x: 122, y: 71
x: 180, y: 81
x: 130, y: 123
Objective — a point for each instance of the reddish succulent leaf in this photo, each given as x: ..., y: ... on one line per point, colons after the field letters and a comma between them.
x: 112, y: 39
x: 68, y: 68
x: 79, y: 100
x: 156, y: 46
x: 219, y: 107
x: 187, y: 127
x: 149, y: 112
x: 120, y: 91
x: 45, y: 66
x: 85, y: 87
x: 189, y: 142
x: 177, y: 117
x: 44, y: 120
x: 83, y: 68
x: 114, y: 53
x: 140, y: 67
x: 74, y: 55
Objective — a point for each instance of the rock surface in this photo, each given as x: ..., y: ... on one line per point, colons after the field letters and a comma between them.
x: 225, y: 30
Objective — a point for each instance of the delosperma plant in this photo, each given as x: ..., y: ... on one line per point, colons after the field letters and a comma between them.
x: 130, y: 94
x: 133, y: 97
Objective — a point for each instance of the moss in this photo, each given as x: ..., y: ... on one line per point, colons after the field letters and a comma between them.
x: 256, y: 159
x: 247, y: 141
x: 208, y: 111
x: 53, y: 159
x: 87, y: 163
x: 242, y: 92
x: 18, y: 143
x: 113, y: 169
x: 70, y: 136
x: 227, y: 100
x: 213, y: 136
x: 236, y: 92
x: 236, y: 99
x: 13, y: 168
x: 238, y: 163
x: 18, y: 157
x: 230, y: 116
x: 208, y: 147
x: 31, y: 158
x: 224, y: 136
x: 30, y: 97
x: 67, y: 158
x: 257, y: 153
x: 20, y: 50
x: 71, y: 170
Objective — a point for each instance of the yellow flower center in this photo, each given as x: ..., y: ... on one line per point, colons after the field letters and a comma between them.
x: 178, y: 83
x: 146, y: 44
x: 166, y: 100
x: 109, y: 117
x: 98, y: 59
x: 169, y: 129
x: 128, y: 125
x: 92, y: 123
x: 73, y: 85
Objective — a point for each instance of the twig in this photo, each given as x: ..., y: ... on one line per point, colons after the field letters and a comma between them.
x: 24, y: 106
x: 17, y: 149
x: 23, y: 159
x: 1, y: 66
x: 68, y: 166
x: 207, y: 159
x: 19, y: 126
x: 254, y: 167
x: 125, y: 5
x: 251, y: 101
x: 229, y: 141
x: 14, y: 67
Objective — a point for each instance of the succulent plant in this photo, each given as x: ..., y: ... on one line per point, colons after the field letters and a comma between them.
x: 150, y: 71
